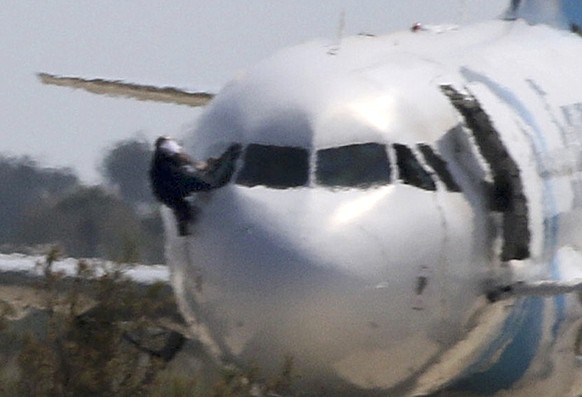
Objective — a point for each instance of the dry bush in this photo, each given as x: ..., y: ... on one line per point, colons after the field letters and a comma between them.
x: 98, y: 337
x: 91, y: 350
x: 236, y: 382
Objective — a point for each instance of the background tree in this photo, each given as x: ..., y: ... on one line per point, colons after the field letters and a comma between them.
x: 87, y: 223
x: 42, y: 206
x: 125, y: 168
x: 93, y: 223
x: 23, y: 186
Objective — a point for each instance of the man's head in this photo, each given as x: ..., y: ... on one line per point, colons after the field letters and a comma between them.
x: 168, y: 146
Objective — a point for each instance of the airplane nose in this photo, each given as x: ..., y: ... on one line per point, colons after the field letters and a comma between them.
x: 332, y: 283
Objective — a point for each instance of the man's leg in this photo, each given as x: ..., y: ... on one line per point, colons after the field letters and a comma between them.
x: 185, y: 215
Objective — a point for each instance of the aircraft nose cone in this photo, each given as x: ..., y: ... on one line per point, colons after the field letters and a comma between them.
x: 272, y: 274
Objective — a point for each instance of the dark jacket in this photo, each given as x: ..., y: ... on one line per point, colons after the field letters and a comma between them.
x: 174, y: 176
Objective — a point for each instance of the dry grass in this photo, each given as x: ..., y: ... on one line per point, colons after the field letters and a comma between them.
x: 112, y: 346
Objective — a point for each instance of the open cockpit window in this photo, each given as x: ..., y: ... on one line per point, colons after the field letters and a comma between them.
x: 278, y: 167
x: 360, y: 165
x: 410, y: 170
x: 439, y: 166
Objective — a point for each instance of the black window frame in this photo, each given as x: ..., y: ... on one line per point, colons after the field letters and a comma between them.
x: 439, y: 166
x: 410, y: 170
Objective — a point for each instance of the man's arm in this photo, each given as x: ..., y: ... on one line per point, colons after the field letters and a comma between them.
x: 218, y: 172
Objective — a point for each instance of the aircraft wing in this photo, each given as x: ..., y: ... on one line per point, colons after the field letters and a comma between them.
x: 131, y: 90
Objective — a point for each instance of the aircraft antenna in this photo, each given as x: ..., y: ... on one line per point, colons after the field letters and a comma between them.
x: 341, y: 26
x: 463, y: 11
x: 340, y: 34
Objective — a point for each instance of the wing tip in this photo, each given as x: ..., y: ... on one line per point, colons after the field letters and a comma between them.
x: 135, y: 91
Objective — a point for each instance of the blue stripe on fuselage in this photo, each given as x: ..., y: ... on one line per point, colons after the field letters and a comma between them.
x: 509, y: 355
x: 540, y: 148
x: 519, y: 342
x: 551, y: 232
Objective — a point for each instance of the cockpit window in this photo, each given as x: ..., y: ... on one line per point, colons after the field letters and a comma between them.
x: 361, y: 166
x: 278, y: 167
x: 439, y: 166
x: 410, y: 170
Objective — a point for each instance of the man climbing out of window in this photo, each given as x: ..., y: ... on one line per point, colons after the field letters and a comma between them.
x: 174, y: 176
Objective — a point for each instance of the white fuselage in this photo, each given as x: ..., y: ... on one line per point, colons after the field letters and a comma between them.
x: 380, y: 286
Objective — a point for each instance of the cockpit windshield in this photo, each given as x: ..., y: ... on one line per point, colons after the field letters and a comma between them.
x: 361, y: 166
x: 278, y: 167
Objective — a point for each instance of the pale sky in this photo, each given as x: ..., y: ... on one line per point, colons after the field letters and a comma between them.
x: 193, y: 44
